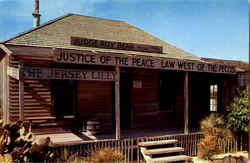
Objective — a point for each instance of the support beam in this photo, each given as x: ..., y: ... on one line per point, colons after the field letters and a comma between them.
x: 21, y: 94
x: 117, y: 103
x: 186, y: 103
x: 5, y: 88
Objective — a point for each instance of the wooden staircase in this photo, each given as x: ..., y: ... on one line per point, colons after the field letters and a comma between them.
x: 37, y: 104
x: 37, y: 108
x: 163, y: 151
x: 37, y: 99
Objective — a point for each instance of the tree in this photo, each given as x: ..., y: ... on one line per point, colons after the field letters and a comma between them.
x: 238, y: 113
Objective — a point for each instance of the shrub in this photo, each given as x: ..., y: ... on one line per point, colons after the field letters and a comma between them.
x: 214, y: 131
x: 17, y: 144
x: 215, y: 125
x: 238, y: 113
x: 208, y: 147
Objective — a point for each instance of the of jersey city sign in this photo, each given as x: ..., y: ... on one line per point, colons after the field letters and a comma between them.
x: 66, y: 74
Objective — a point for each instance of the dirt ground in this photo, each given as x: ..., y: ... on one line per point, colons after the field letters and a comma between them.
x: 242, y: 158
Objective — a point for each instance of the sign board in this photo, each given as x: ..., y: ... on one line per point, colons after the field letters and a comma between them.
x: 13, y: 72
x: 66, y: 74
x: 79, y: 41
x: 90, y: 58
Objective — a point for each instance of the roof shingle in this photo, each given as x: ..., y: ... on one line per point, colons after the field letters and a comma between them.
x: 57, y: 34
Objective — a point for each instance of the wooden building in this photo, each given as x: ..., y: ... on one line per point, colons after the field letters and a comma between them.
x: 91, y: 68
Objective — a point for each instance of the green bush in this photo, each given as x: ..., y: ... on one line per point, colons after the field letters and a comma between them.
x: 238, y: 113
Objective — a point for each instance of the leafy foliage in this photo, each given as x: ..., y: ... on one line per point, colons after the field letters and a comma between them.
x: 238, y: 113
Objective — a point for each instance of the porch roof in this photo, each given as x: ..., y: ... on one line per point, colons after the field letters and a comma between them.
x: 159, y: 61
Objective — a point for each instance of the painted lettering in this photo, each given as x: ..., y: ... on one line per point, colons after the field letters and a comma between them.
x: 167, y: 64
x: 142, y: 62
x: 186, y: 65
x: 212, y: 67
x: 121, y: 60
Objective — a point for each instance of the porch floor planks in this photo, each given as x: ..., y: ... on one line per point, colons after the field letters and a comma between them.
x: 61, y: 138
x: 65, y: 136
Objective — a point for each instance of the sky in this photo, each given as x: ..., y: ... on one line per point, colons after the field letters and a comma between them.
x: 205, y: 28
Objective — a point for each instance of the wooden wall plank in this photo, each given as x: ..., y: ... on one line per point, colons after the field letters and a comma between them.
x: 95, y: 101
x: 145, y: 100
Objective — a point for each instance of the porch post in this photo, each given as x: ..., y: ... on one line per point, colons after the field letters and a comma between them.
x: 186, y: 103
x: 21, y: 93
x: 117, y: 103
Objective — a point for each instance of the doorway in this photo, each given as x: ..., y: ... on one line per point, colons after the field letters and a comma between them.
x: 125, y: 101
x: 63, y: 97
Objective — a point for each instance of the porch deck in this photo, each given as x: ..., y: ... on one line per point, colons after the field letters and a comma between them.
x: 68, y: 137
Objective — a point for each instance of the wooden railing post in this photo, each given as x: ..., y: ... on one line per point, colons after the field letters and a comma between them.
x: 21, y: 93
x: 117, y: 103
x: 186, y: 103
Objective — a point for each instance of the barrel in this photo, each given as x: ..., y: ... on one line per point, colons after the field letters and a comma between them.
x: 93, y: 126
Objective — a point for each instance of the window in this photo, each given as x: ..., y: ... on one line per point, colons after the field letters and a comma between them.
x: 243, y: 79
x: 137, y: 84
x: 213, y: 97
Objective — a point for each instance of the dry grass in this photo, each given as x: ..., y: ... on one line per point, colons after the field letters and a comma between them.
x: 208, y: 147
x: 6, y: 158
x: 214, y: 130
x: 105, y: 155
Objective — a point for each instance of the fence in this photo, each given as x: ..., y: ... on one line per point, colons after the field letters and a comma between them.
x: 131, y: 150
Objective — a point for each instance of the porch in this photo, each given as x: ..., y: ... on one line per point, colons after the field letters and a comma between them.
x: 129, y: 146
x: 141, y: 99
x: 65, y: 136
x: 119, y: 97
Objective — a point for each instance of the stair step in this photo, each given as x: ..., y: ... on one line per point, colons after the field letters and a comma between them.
x: 41, y: 118
x: 37, y: 111
x: 39, y: 121
x: 29, y: 112
x: 164, y: 150
x: 155, y: 143
x: 27, y: 116
x: 47, y: 124
x: 170, y: 159
x: 29, y: 107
